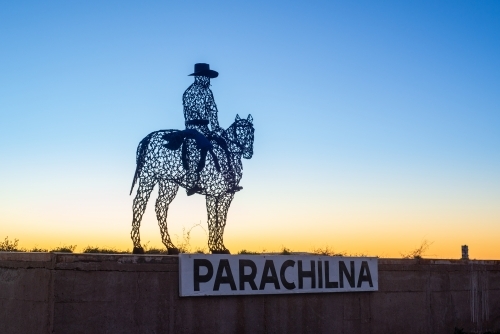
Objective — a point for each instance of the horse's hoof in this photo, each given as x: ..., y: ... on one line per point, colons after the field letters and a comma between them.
x: 138, y: 250
x: 224, y: 251
x: 173, y: 251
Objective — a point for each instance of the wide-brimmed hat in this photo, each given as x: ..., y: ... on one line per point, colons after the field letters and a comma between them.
x: 202, y: 69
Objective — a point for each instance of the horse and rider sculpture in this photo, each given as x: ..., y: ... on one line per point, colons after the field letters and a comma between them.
x: 204, y: 159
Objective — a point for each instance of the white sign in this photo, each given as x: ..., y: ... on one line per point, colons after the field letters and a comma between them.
x: 217, y: 275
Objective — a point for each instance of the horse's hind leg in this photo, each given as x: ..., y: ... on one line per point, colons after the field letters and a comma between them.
x: 166, y: 194
x: 217, y: 208
x: 139, y: 206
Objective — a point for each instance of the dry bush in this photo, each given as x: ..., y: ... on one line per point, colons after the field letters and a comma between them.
x: 39, y: 250
x: 185, y: 245
x: 104, y: 250
x: 327, y: 251
x: 153, y: 250
x: 200, y: 251
x: 10, y: 246
x: 246, y: 252
x: 418, y: 252
x: 64, y: 249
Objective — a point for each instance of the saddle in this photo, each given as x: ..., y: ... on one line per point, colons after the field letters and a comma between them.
x: 176, y: 140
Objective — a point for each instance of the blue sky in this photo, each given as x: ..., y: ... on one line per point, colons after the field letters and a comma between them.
x: 376, y: 122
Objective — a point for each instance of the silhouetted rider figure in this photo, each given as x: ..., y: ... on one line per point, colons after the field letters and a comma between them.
x: 200, y: 111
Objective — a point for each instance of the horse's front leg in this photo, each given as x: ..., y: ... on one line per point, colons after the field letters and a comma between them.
x: 166, y: 194
x: 217, y: 208
x: 139, y: 206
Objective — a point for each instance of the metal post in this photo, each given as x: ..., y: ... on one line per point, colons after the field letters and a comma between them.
x: 465, y: 252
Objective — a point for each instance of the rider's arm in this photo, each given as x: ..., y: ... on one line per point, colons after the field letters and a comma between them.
x: 212, y: 109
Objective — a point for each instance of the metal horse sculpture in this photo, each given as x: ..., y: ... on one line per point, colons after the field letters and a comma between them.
x: 162, y: 159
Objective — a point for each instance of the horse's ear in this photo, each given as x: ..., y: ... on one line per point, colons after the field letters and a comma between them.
x: 250, y: 118
x: 238, y: 117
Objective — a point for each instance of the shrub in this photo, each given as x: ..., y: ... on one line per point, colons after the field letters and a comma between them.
x: 184, y: 246
x: 96, y: 249
x: 10, y: 246
x: 327, y: 251
x: 64, y: 249
x: 39, y: 250
x: 419, y: 252
x: 155, y: 251
x: 246, y: 252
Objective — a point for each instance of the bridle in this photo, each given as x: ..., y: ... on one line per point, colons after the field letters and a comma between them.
x: 235, y: 135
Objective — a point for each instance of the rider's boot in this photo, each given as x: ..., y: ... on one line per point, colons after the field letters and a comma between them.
x: 234, y: 188
x: 192, y: 181
x: 195, y: 189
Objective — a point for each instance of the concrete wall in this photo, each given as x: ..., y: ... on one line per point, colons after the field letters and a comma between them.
x: 80, y: 293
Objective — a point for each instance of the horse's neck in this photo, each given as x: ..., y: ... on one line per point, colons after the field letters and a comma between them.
x: 231, y: 142
x: 238, y: 164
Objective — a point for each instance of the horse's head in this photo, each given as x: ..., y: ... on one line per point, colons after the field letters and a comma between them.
x: 240, y: 136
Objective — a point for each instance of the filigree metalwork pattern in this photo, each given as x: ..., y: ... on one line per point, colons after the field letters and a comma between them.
x: 170, y: 158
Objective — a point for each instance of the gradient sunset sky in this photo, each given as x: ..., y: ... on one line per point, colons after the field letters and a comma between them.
x: 377, y: 123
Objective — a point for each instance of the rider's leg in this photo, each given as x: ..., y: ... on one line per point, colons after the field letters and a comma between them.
x: 192, y: 178
x: 192, y: 157
x: 231, y: 180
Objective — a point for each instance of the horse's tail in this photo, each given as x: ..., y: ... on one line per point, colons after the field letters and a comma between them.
x: 141, y: 157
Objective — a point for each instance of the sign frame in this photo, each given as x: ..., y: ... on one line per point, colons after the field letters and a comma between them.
x: 226, y: 275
